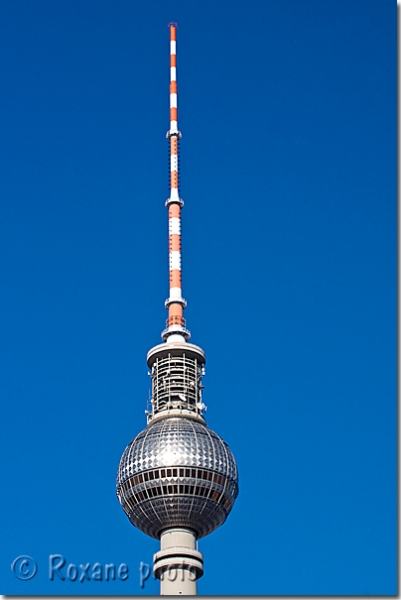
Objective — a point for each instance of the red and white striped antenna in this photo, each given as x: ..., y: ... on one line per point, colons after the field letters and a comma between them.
x: 175, y: 303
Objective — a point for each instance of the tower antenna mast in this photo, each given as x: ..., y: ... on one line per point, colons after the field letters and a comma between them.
x: 175, y: 303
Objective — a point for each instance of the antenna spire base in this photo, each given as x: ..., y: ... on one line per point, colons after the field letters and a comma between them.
x: 178, y: 330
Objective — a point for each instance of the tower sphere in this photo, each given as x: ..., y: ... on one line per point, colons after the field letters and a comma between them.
x: 177, y: 473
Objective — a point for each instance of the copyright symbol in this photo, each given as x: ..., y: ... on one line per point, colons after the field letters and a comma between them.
x: 24, y: 567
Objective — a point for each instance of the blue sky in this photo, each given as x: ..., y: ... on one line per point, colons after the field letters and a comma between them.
x: 288, y: 173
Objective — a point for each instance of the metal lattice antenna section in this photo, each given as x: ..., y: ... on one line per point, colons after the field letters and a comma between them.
x: 176, y: 371
x: 175, y: 303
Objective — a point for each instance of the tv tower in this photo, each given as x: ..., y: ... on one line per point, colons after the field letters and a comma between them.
x: 177, y: 480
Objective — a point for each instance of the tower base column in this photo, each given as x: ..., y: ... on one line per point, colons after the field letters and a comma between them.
x: 178, y: 564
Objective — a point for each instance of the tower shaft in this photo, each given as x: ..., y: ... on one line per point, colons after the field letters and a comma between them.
x: 178, y: 564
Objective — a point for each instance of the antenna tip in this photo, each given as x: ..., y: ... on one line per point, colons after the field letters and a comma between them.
x: 172, y: 25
